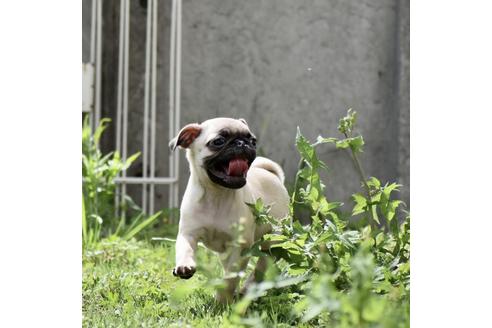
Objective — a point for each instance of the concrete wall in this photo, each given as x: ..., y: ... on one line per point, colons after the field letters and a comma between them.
x: 280, y: 64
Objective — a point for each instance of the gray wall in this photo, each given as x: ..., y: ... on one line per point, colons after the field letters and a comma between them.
x: 280, y: 64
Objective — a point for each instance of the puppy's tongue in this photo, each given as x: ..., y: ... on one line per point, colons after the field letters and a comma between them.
x: 237, y: 167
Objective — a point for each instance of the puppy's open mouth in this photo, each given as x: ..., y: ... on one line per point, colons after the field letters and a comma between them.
x: 230, y: 173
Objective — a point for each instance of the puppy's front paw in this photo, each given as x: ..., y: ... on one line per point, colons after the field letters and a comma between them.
x: 184, y: 271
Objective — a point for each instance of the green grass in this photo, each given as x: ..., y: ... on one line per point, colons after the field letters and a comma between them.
x: 130, y: 284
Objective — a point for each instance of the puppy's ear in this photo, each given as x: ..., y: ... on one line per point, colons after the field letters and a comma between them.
x: 186, y: 136
x: 243, y: 121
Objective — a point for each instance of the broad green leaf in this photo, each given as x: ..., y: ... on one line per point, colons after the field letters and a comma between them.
x: 323, y: 237
x: 296, y: 271
x: 388, y: 189
x: 380, y: 238
x: 273, y: 237
x: 356, y: 144
x: 288, y: 245
x: 130, y: 160
x: 360, y: 204
x: 391, y: 209
x: 303, y: 146
x: 325, y: 206
x: 103, y: 124
x: 297, y: 227
x: 375, y: 214
x: 343, y: 144
x: 373, y: 182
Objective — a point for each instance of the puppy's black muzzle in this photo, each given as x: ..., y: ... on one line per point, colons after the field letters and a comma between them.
x: 216, y: 164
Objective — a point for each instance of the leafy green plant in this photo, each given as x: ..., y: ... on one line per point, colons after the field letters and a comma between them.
x: 98, y: 203
x: 346, y: 277
x: 377, y: 199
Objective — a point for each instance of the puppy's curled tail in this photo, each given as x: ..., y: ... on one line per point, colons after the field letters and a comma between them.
x: 270, y: 166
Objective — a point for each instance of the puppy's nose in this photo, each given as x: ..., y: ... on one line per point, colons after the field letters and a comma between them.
x: 239, y: 142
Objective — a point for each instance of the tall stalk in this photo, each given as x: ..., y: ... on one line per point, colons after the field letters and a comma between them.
x: 346, y: 127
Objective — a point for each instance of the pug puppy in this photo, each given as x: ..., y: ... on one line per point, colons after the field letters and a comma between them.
x: 225, y: 175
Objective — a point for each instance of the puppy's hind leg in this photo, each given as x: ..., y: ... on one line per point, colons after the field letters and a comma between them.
x: 233, y: 265
x: 256, y: 276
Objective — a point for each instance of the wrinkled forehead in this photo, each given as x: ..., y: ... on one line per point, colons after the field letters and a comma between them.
x: 225, y: 126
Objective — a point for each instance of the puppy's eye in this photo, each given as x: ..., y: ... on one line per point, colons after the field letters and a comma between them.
x: 219, y: 142
x: 253, y: 141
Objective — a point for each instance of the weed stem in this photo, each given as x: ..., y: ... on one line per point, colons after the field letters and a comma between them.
x: 294, y: 193
x: 362, y: 177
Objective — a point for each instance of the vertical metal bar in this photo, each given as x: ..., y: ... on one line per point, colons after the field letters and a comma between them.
x: 146, y: 105
x: 93, y: 32
x: 172, y: 129
x: 153, y: 104
x: 178, y: 96
x: 92, y: 58
x: 120, y: 77
x: 119, y: 104
x: 97, y: 102
x: 125, y: 92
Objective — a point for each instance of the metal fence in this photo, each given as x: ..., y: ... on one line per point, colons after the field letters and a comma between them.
x: 92, y: 98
